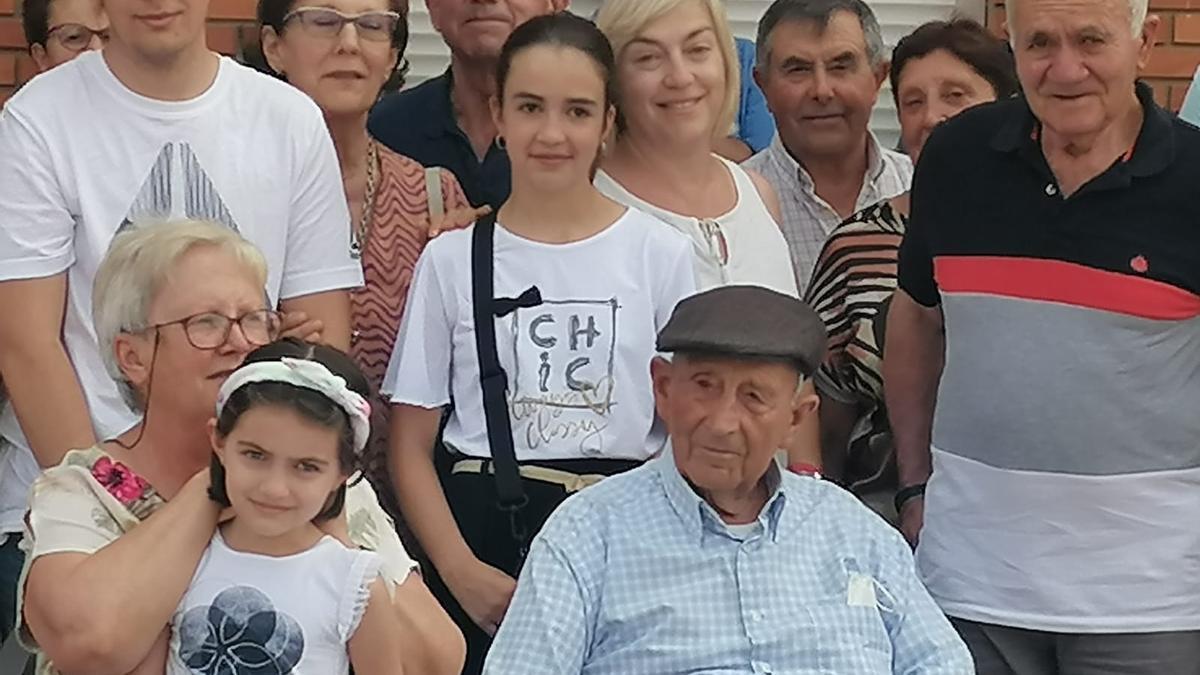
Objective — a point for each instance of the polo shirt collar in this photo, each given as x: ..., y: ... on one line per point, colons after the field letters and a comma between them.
x: 1153, y: 150
x: 696, y: 514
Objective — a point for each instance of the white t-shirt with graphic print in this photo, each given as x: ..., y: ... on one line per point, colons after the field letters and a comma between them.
x: 250, y: 613
x: 81, y: 155
x: 578, y: 365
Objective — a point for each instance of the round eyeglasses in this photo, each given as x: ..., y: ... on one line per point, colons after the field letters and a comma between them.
x: 210, y: 330
x: 76, y: 37
x: 328, y: 23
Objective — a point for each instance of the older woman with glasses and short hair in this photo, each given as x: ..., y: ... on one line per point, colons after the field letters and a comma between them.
x: 177, y: 306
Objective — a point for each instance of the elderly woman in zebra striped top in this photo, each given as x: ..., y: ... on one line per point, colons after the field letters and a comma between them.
x: 395, y: 204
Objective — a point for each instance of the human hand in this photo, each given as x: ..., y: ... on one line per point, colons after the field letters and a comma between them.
x: 457, y: 219
x: 483, y: 591
x: 912, y: 518
x: 298, y: 325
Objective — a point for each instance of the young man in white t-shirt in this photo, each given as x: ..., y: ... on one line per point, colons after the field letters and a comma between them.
x: 156, y: 126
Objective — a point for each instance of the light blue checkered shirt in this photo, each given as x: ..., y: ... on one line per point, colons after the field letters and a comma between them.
x: 638, y: 576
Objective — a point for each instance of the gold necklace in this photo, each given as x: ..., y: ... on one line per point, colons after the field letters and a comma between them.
x: 358, y: 242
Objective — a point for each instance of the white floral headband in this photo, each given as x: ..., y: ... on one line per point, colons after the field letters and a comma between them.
x: 306, y: 374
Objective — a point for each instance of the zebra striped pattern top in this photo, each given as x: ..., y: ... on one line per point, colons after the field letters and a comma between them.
x: 851, y: 289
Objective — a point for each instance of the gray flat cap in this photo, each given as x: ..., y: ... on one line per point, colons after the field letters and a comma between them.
x: 749, y: 321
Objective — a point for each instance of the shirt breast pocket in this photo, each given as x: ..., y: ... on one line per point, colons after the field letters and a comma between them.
x: 850, y: 640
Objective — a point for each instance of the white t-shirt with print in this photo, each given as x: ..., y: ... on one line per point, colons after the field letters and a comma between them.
x: 245, y: 612
x: 80, y: 155
x: 578, y: 365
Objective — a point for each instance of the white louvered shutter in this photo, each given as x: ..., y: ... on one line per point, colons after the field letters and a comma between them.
x: 428, y: 55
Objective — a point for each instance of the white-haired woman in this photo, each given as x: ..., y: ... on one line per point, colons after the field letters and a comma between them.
x: 677, y: 92
x: 177, y: 306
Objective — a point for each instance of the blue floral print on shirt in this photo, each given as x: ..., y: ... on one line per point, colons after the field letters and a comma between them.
x: 240, y: 633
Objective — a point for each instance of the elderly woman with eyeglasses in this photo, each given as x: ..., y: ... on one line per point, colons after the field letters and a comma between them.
x: 177, y: 306
x: 342, y: 53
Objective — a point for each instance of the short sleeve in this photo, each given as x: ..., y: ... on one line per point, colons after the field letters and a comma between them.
x: 67, y: 516
x: 318, y: 255
x: 418, y: 372
x: 37, y: 230
x: 364, y: 570
x: 373, y: 530
x: 915, y: 266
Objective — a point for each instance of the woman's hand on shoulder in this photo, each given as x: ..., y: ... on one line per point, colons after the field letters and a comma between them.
x: 456, y: 219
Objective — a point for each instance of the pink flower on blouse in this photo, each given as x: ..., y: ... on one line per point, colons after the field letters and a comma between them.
x: 119, y: 480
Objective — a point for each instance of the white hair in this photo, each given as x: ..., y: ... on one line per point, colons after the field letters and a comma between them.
x: 1138, y: 9
x: 138, y: 263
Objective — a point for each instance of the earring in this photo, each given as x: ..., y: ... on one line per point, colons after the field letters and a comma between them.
x: 500, y: 142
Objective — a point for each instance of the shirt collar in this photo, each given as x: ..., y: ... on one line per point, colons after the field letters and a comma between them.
x: 791, y: 167
x: 697, y: 515
x: 1153, y: 150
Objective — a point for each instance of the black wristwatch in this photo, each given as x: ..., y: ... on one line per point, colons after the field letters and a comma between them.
x: 906, y: 494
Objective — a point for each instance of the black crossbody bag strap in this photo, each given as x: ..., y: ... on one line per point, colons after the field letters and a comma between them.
x: 509, y: 491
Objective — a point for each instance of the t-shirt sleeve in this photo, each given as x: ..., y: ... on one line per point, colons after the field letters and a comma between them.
x: 677, y: 283
x: 915, y: 265
x: 363, y: 571
x: 318, y: 255
x: 419, y: 370
x: 37, y: 230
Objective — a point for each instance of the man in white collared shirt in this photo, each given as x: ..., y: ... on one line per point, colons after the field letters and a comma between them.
x: 820, y: 65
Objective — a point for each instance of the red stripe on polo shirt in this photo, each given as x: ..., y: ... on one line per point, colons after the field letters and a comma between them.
x: 1066, y: 283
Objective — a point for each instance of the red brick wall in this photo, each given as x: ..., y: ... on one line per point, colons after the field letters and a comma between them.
x: 1175, y: 57
x: 229, y: 22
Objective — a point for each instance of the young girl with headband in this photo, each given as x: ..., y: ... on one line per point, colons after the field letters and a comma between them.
x: 278, y: 591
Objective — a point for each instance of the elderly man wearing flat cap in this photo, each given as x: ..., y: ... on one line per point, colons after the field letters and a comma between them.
x: 709, y: 558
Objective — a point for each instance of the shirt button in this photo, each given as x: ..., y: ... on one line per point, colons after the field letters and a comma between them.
x: 756, y: 616
x: 1051, y: 190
